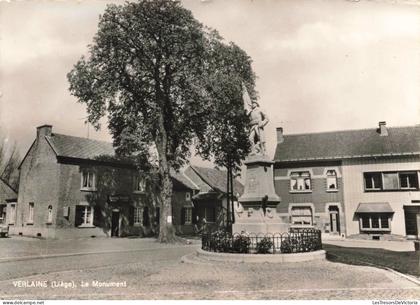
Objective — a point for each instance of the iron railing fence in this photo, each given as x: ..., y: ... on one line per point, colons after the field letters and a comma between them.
x: 297, y: 240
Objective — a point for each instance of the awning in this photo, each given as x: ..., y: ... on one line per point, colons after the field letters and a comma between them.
x: 374, y: 207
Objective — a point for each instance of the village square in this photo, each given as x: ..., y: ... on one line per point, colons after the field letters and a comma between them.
x: 185, y: 173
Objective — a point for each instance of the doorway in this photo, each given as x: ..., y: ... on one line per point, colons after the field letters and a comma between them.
x: 115, y: 223
x: 334, y: 219
x: 412, y: 220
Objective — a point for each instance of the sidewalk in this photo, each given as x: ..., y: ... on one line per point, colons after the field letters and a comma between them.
x: 17, y: 247
x: 399, y: 246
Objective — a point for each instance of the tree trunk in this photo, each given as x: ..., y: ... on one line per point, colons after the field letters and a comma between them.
x: 166, y: 229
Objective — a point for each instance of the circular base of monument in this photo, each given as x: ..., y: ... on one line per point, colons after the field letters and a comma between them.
x: 262, y: 258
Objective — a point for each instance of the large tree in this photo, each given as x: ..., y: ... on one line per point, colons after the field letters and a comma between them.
x: 165, y: 82
x: 9, y: 162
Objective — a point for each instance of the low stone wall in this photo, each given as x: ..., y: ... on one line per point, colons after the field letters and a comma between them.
x: 262, y: 258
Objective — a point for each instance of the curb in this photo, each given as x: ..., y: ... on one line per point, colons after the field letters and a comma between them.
x: 405, y: 276
x: 191, y: 259
x: 25, y: 258
x: 263, y: 258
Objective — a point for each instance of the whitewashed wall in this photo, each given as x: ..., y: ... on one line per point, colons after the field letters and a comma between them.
x: 354, y: 190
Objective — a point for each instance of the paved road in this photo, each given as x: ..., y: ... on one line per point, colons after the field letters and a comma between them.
x: 17, y: 246
x: 158, y: 273
x: 160, y: 256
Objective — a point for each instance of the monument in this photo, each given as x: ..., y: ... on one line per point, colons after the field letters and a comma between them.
x: 256, y: 209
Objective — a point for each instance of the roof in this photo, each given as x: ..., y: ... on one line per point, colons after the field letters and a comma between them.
x: 374, y: 207
x: 217, y: 179
x: 79, y: 148
x: 184, y: 180
x: 6, y: 191
x: 349, y: 144
x: 88, y: 149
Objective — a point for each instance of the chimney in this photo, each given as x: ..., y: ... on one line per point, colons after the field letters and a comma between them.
x: 44, y: 130
x: 280, y: 138
x: 382, y: 129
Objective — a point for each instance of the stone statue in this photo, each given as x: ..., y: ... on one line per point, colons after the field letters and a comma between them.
x: 258, y: 121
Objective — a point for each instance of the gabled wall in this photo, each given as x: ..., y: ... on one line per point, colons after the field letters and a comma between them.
x: 38, y: 183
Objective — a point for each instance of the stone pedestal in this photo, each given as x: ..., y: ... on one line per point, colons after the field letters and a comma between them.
x: 249, y: 212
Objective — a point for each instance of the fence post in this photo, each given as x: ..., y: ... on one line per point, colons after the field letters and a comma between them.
x: 274, y: 245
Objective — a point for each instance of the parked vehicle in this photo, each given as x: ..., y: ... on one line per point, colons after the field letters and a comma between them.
x: 4, y: 230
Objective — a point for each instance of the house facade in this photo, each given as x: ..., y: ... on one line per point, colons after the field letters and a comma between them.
x: 356, y: 183
x: 8, y: 199
x: 71, y: 187
x: 208, y: 200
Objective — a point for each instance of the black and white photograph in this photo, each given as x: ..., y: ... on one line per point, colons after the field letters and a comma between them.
x: 158, y: 150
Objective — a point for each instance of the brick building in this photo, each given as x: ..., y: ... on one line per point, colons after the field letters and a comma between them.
x: 71, y: 186
x: 360, y: 183
x: 74, y: 187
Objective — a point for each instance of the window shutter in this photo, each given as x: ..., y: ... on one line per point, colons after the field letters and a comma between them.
x: 183, y: 216
x: 146, y: 218
x: 97, y: 216
x: 78, y: 216
x: 66, y: 212
x: 131, y: 215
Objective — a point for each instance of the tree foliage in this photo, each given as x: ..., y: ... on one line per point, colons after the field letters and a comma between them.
x: 165, y: 82
x: 9, y: 163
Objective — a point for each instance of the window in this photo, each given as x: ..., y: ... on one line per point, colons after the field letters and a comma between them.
x: 88, y: 180
x: 301, y: 216
x: 373, y: 181
x: 210, y: 214
x: 374, y: 222
x: 3, y: 208
x: 187, y: 196
x: 409, y: 180
x: 365, y: 222
x: 139, y: 184
x: 12, y: 215
x: 30, y: 213
x: 188, y: 216
x: 384, y: 220
x: 50, y: 215
x: 391, y: 181
x: 137, y: 215
x: 300, y: 181
x: 331, y: 180
x: 84, y: 216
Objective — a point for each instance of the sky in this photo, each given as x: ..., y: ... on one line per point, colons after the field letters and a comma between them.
x: 322, y: 65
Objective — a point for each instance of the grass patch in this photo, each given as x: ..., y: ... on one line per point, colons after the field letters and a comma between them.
x: 404, y: 262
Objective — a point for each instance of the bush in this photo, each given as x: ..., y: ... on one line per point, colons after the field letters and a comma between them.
x: 289, y: 245
x: 220, y: 241
x: 241, y: 244
x: 264, y: 245
x: 296, y: 245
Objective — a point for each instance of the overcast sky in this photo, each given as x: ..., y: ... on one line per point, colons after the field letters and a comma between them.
x: 321, y: 65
